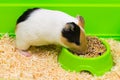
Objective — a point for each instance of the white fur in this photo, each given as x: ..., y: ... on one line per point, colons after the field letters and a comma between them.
x: 43, y: 27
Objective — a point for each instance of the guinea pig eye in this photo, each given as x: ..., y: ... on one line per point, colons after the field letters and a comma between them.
x: 77, y: 43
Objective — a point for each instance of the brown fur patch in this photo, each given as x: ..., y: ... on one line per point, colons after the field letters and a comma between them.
x: 83, y: 40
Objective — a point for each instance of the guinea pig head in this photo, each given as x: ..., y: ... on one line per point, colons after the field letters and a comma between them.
x: 73, y: 36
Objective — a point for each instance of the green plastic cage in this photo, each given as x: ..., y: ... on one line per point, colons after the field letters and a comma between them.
x: 102, y: 17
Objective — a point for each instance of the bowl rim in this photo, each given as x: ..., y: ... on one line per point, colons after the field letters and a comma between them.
x: 90, y: 58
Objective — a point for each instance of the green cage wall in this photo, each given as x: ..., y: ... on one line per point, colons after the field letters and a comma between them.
x: 102, y: 17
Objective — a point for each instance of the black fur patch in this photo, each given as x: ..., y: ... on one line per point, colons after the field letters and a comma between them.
x: 72, y: 35
x: 25, y: 15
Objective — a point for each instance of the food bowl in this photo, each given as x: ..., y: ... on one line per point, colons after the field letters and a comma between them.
x: 96, y: 65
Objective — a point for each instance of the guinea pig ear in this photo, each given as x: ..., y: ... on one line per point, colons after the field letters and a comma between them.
x: 69, y: 27
x: 81, y: 21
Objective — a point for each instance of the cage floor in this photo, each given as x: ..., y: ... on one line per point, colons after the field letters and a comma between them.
x: 43, y: 65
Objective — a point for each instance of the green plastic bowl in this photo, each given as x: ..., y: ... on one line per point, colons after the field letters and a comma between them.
x: 96, y: 65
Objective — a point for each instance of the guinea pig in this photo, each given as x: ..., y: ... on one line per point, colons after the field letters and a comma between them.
x: 37, y: 27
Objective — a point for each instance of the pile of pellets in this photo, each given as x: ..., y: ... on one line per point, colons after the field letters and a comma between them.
x: 95, y: 47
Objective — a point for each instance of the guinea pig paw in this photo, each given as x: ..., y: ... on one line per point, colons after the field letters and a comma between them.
x: 25, y: 53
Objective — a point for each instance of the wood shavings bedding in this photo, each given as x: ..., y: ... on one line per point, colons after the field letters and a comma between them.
x: 43, y: 65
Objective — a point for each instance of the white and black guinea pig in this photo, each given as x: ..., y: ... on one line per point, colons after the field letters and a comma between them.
x: 37, y: 27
